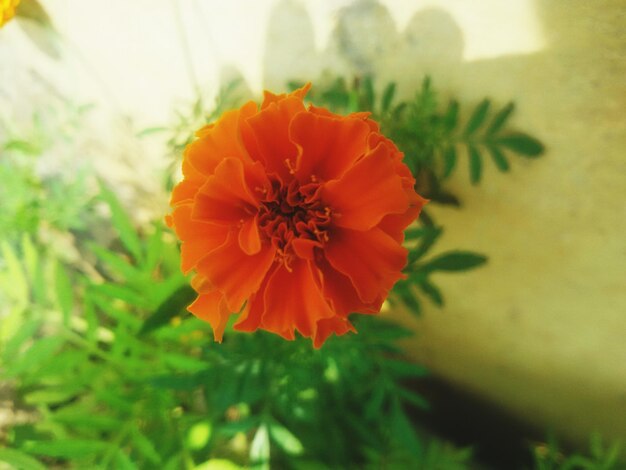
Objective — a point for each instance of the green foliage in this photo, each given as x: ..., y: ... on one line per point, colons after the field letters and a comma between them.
x: 548, y: 456
x: 112, y: 371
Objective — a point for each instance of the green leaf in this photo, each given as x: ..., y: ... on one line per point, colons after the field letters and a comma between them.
x: 86, y: 419
x: 431, y: 235
x: 38, y: 354
x: 522, y: 144
x: 145, y: 446
x: 51, y: 395
x: 388, y: 94
x: 19, y: 460
x: 285, y: 439
x: 475, y: 164
x: 449, y: 161
x: 171, y: 307
x: 498, y: 158
x: 65, y: 448
x: 114, y: 263
x: 403, y: 431
x: 122, y: 223
x: 260, y: 449
x: 64, y: 294
x: 413, y: 398
x: 478, y: 117
x: 403, y: 292
x: 367, y: 93
x: 451, y: 118
x: 115, y: 291
x: 431, y: 291
x: 123, y: 461
x: 455, y: 261
x: 500, y: 119
x: 404, y: 369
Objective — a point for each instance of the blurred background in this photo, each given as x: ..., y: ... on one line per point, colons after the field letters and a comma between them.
x: 532, y: 341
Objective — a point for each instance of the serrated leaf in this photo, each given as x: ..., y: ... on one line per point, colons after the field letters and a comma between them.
x: 169, y: 308
x: 522, y: 144
x: 86, y: 419
x: 449, y: 161
x: 478, y: 117
x: 388, y: 95
x: 285, y: 439
x: 376, y: 401
x: 19, y: 460
x: 115, y: 291
x: 498, y: 158
x: 455, y: 261
x: 432, y: 291
x: 475, y: 164
x: 500, y: 119
x: 65, y: 448
x: 122, y: 223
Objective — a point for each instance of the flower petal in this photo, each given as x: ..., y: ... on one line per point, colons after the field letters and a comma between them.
x: 293, y: 299
x: 212, y: 308
x: 372, y: 260
x: 249, y: 238
x: 271, y: 131
x: 327, y: 146
x: 198, y: 237
x: 225, y: 197
x: 269, y: 97
x: 233, y: 272
x: 341, y: 293
x: 327, y: 326
x: 367, y: 192
x: 219, y: 141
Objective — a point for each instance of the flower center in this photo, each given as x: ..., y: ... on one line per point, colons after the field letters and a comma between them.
x: 293, y: 212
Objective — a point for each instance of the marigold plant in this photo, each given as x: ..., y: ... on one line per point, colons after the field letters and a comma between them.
x: 7, y: 10
x: 293, y: 217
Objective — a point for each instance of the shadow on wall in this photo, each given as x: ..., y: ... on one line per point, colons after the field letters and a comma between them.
x: 365, y: 41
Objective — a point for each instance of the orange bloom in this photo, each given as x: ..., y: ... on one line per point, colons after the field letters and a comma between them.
x: 293, y: 216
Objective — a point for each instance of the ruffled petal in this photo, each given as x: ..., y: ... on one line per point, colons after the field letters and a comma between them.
x: 219, y: 141
x: 372, y: 260
x: 327, y: 146
x: 269, y: 97
x: 327, y: 326
x: 293, y: 299
x: 198, y: 237
x: 367, y: 192
x: 212, y: 308
x: 341, y: 293
x: 233, y: 272
x: 225, y: 197
x: 270, y: 128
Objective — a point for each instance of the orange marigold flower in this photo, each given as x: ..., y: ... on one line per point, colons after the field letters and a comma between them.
x: 293, y: 216
x: 7, y: 10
